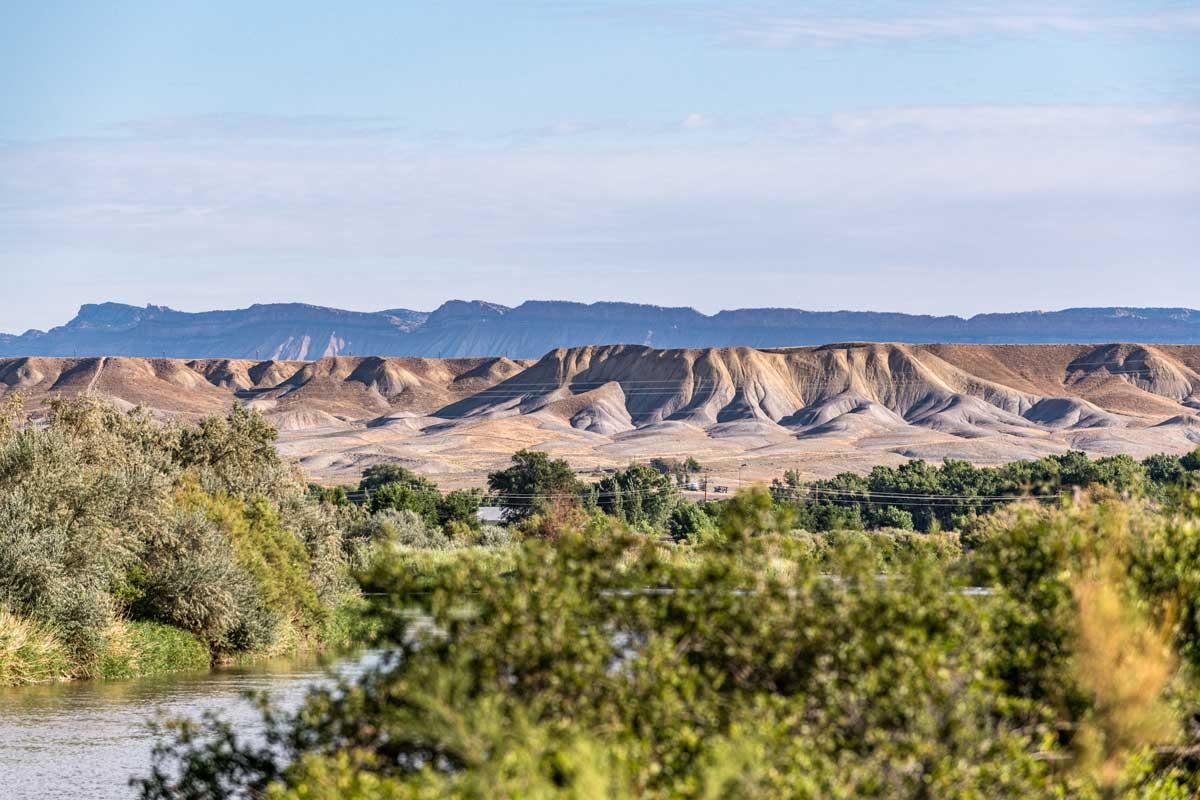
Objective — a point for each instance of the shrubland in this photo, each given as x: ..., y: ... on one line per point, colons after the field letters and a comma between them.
x: 1053, y: 653
x: 128, y: 545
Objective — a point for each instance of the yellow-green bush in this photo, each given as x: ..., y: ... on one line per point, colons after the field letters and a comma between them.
x: 30, y: 652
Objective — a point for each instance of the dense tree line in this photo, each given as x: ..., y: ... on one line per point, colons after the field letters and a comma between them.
x: 541, y: 495
x: 921, y: 496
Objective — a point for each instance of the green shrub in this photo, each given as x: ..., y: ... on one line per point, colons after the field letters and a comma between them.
x: 187, y: 577
x: 460, y: 507
x: 775, y: 665
x: 106, y: 515
x: 402, y: 497
x: 379, y: 475
x: 690, y: 521
x: 494, y: 536
x: 274, y: 557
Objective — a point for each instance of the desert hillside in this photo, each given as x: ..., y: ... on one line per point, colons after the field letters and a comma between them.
x: 745, y: 413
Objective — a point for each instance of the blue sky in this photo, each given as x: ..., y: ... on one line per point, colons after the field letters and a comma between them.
x: 918, y: 156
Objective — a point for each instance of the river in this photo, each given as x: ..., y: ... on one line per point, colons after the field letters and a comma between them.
x: 85, y: 740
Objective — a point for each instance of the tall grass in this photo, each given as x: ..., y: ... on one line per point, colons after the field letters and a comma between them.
x: 30, y: 652
x: 137, y: 649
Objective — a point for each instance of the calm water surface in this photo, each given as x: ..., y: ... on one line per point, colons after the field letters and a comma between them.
x: 85, y: 740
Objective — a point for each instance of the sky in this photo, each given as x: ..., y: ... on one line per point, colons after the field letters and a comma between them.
x: 923, y: 156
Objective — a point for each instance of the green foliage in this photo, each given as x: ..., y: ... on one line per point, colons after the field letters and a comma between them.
x: 188, y: 577
x: 393, y: 528
x: 148, y: 648
x: 691, y: 522
x: 892, y: 517
x: 276, y: 561
x: 751, y: 513
x: 377, y: 476
x: 958, y: 493
x: 460, y: 507
x: 330, y: 495
x: 637, y: 495
x: 535, y: 484
x: 108, y: 516
x: 680, y: 471
x: 774, y: 666
x: 422, y: 501
x: 882, y: 552
x: 1191, y: 461
x: 235, y: 455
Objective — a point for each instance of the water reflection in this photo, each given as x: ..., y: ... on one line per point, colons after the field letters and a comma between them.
x: 85, y: 740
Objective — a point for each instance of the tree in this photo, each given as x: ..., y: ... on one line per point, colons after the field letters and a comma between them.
x: 754, y: 512
x: 689, y: 521
x: 1191, y: 461
x: 638, y: 495
x: 1121, y: 472
x: 1163, y: 468
x: 534, y: 483
x: 330, y: 495
x: 422, y: 500
x: 892, y: 517
x: 664, y: 466
x: 379, y: 475
x: 460, y: 507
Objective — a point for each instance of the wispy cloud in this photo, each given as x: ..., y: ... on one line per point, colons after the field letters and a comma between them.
x: 1055, y: 194
x: 774, y: 29
x: 775, y: 24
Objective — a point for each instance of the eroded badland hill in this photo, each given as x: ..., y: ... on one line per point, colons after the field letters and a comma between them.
x: 820, y: 409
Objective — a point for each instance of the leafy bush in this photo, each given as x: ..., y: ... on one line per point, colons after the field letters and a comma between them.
x: 402, y: 497
x: 691, y: 522
x: 892, y: 517
x: 106, y: 515
x: 607, y: 666
x: 392, y: 528
x: 493, y: 536
x: 377, y: 476
x: 275, y: 559
x: 188, y: 577
x: 460, y: 507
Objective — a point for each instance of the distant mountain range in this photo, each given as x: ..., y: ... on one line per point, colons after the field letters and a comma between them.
x: 295, y: 331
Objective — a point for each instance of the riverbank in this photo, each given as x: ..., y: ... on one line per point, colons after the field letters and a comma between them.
x: 33, y: 652
x: 86, y: 739
x: 131, y: 547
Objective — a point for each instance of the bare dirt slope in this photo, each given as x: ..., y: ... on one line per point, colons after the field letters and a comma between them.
x: 744, y: 412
